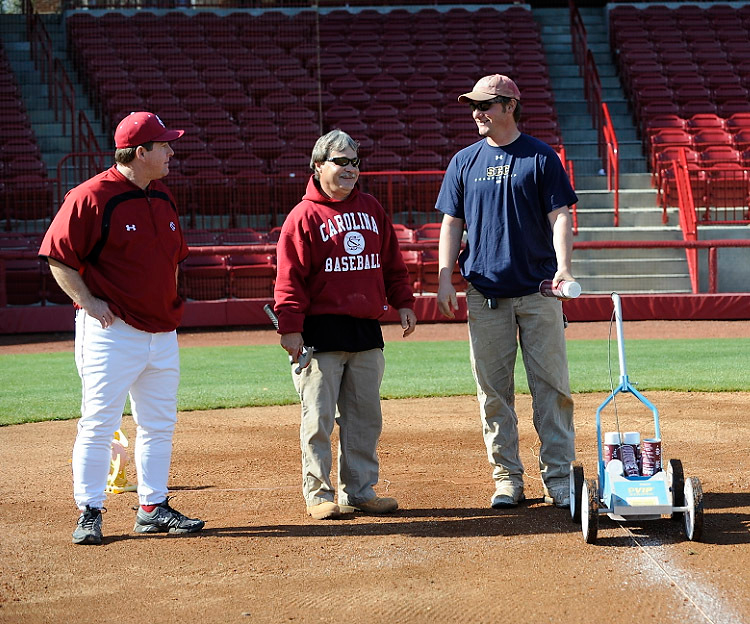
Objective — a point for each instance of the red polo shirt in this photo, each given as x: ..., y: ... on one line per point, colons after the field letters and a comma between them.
x: 126, y: 243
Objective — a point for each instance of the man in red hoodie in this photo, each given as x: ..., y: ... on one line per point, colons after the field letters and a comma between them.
x: 339, y: 266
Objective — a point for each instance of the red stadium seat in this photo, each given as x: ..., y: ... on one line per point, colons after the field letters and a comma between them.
x: 424, y: 125
x: 413, y: 261
x: 204, y: 277
x: 709, y: 137
x: 727, y: 187
x: 398, y: 143
x: 404, y: 233
x: 24, y: 281
x: 700, y: 121
x: 224, y: 146
x: 741, y: 140
x: 251, y: 276
x: 242, y: 163
x: 718, y: 154
x: 383, y: 126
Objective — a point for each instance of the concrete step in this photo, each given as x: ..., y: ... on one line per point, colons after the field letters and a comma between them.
x: 629, y: 233
x: 635, y: 256
x: 635, y: 283
x: 629, y: 200
x: 581, y: 121
x: 640, y: 181
x: 630, y: 217
x: 592, y: 165
x: 628, y: 150
x: 597, y: 269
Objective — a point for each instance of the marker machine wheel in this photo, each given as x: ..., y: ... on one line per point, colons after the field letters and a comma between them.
x: 694, y: 515
x: 590, y: 510
x: 676, y: 480
x: 576, y: 490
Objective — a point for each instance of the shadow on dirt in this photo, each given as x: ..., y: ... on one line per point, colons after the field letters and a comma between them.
x: 726, y: 522
x: 420, y: 523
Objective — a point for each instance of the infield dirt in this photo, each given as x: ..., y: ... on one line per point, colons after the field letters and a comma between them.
x: 445, y: 556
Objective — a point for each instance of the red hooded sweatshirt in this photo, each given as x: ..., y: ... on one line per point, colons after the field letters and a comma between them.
x: 338, y: 257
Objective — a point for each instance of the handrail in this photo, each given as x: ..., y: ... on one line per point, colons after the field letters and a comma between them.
x: 85, y: 140
x: 685, y: 199
x: 60, y: 91
x: 40, y: 46
x: 688, y: 222
x: 611, y: 159
x: 592, y: 91
x: 64, y: 89
x: 270, y: 248
x: 598, y: 109
x: 688, y: 245
x: 578, y: 35
x: 568, y: 165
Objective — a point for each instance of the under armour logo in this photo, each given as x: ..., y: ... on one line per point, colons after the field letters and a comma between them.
x: 499, y: 157
x: 172, y: 226
x: 130, y: 228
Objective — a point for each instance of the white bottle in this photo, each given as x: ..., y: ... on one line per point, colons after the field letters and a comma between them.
x: 564, y: 289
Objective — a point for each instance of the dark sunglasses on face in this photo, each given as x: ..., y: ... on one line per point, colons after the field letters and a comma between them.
x: 342, y: 161
x: 487, y: 104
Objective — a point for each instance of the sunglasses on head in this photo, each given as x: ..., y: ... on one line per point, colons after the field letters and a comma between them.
x: 342, y: 161
x: 487, y: 104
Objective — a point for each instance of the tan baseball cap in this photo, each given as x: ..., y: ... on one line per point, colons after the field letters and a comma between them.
x: 490, y: 87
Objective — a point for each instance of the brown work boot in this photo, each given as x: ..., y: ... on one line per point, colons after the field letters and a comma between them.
x: 324, y: 511
x: 378, y: 505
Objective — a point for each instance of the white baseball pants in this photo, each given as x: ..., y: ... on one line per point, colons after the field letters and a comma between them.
x: 113, y: 362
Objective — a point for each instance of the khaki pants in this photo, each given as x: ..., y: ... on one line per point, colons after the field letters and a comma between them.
x: 535, y: 322
x: 344, y: 388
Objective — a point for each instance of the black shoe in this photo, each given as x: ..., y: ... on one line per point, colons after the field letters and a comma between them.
x: 164, y: 519
x: 89, y: 529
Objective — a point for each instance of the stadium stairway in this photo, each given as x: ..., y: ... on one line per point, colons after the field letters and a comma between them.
x: 640, y: 218
x: 54, y: 144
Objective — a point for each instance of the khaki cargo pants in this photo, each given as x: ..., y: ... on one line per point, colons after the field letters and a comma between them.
x: 536, y: 323
x: 341, y: 387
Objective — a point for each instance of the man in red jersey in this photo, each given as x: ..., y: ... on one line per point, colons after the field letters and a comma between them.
x: 339, y: 265
x: 114, y: 247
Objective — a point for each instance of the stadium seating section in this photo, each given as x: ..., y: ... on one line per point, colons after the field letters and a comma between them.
x: 686, y: 71
x: 254, y: 92
x: 25, y: 191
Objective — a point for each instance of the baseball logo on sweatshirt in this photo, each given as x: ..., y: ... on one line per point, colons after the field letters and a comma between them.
x: 354, y: 243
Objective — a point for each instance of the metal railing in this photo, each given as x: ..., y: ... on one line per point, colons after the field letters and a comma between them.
x: 598, y: 109
x: 32, y: 284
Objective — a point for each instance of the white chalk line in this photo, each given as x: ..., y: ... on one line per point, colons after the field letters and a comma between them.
x: 688, y: 588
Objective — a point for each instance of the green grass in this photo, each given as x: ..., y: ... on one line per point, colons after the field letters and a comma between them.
x: 38, y: 387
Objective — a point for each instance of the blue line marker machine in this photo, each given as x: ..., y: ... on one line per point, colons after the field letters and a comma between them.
x: 628, y: 492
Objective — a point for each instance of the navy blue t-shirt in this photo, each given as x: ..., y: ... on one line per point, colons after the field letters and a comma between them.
x: 504, y: 195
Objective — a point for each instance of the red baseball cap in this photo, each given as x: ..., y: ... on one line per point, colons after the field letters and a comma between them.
x: 490, y: 87
x: 139, y: 128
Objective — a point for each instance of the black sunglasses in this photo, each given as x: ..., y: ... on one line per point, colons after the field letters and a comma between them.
x: 487, y: 104
x: 342, y: 161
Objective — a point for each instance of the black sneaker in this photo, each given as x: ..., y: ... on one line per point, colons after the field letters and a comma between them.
x: 89, y: 529
x: 164, y: 519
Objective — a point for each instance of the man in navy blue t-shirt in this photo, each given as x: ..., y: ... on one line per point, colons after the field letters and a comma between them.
x: 511, y: 194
